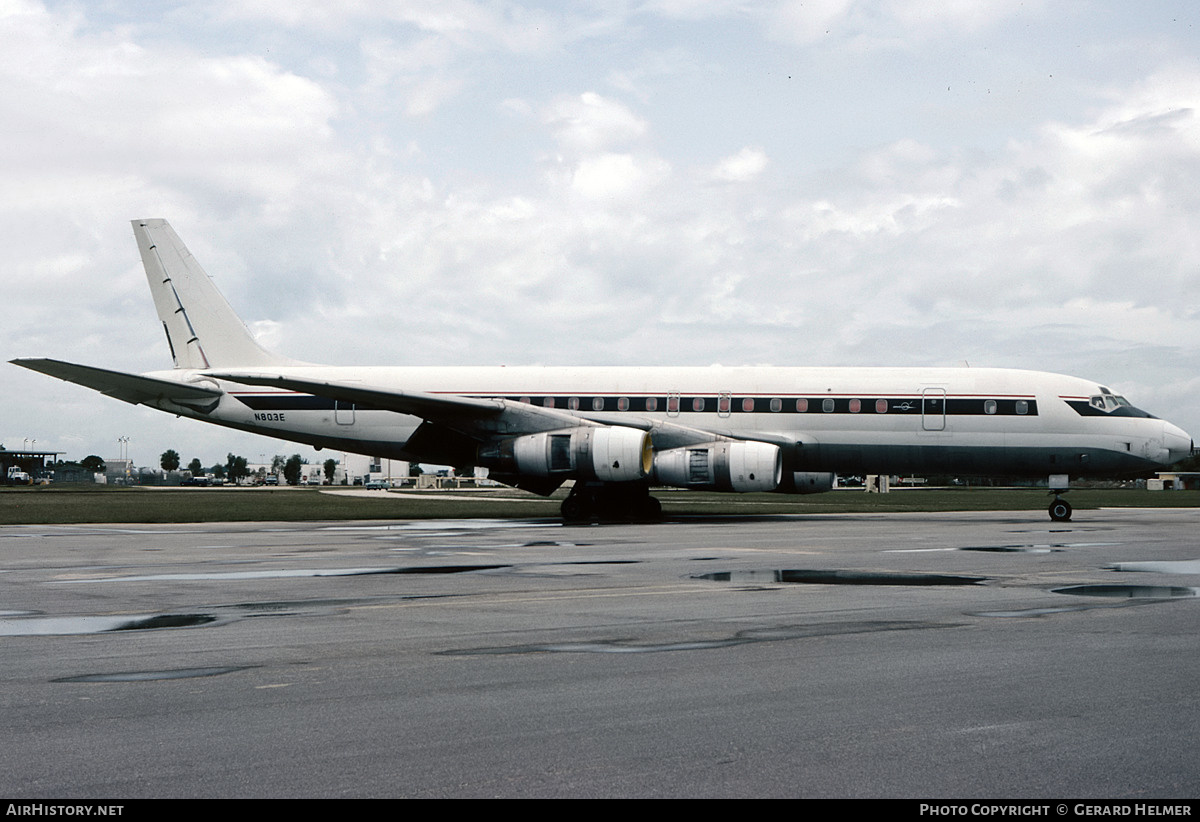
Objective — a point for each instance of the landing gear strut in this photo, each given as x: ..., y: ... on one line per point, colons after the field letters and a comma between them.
x: 587, y: 503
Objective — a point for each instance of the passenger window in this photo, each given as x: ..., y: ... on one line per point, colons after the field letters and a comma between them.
x: 623, y: 403
x: 651, y: 403
x: 989, y: 406
x: 881, y: 406
x: 1022, y: 407
x: 597, y: 403
x: 697, y: 403
x: 827, y: 405
x: 748, y: 405
x: 855, y: 406
x: 776, y: 404
x: 573, y: 403
x: 548, y: 402
x: 802, y: 406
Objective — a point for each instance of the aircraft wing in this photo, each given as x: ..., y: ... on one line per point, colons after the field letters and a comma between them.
x: 417, y: 403
x: 131, y: 388
x: 473, y: 415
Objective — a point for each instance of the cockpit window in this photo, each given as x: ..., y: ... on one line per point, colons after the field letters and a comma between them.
x: 1109, y: 402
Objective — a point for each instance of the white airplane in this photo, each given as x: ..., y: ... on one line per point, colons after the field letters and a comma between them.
x: 618, y: 431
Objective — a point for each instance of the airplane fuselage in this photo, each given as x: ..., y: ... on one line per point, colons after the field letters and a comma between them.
x: 844, y: 420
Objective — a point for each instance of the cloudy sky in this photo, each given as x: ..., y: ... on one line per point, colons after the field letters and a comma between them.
x: 826, y: 182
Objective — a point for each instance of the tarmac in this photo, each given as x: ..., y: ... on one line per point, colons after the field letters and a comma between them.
x: 950, y: 655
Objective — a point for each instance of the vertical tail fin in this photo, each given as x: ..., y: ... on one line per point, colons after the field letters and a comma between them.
x: 202, y: 329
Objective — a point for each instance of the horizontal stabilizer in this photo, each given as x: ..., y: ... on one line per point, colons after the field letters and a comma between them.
x: 128, y: 387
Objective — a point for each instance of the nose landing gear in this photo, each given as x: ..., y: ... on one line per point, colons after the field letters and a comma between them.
x: 1060, y: 509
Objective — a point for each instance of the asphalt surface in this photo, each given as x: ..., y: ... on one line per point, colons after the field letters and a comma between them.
x: 925, y: 656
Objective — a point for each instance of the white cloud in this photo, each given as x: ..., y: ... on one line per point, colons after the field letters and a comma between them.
x: 589, y: 123
x: 741, y: 167
x: 616, y: 175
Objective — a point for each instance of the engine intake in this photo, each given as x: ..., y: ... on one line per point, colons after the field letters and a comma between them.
x: 721, y: 466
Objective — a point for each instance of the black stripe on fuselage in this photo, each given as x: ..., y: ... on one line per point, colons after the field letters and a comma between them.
x: 732, y: 404
x: 697, y: 403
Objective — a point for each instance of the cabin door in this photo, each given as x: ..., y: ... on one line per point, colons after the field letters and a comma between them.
x: 933, y: 409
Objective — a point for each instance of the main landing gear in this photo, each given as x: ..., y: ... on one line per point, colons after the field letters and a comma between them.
x: 622, y: 503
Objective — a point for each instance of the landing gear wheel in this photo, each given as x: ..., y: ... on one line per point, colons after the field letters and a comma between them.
x: 574, y: 509
x: 610, y: 503
x: 1060, y: 510
x: 651, y: 509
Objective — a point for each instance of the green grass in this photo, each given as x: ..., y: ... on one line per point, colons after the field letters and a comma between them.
x: 84, y: 504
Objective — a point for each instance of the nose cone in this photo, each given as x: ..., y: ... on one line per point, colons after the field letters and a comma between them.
x: 1176, y: 442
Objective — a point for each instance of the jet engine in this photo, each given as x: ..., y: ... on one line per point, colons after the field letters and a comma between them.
x: 605, y: 453
x: 722, y: 466
x: 807, y: 482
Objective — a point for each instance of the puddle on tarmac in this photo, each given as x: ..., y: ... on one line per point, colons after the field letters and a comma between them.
x: 65, y: 626
x: 1032, y: 548
x: 1130, y: 591
x: 834, y: 577
x: 1015, y: 549
x: 290, y: 572
x: 1183, y: 566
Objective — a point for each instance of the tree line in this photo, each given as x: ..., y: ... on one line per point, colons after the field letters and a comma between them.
x: 235, y: 468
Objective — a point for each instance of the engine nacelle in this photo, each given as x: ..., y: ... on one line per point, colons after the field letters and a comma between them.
x: 721, y: 466
x: 606, y: 453
x: 807, y: 482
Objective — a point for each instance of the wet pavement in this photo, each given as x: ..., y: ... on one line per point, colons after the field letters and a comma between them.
x: 934, y: 655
